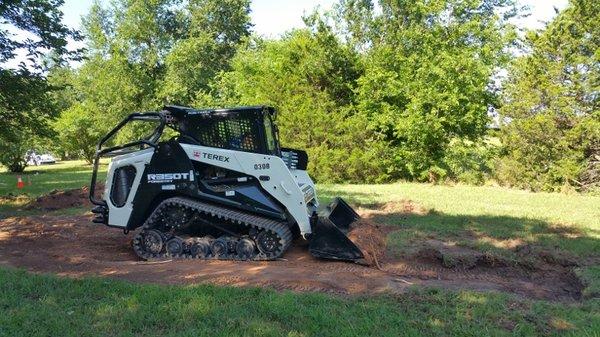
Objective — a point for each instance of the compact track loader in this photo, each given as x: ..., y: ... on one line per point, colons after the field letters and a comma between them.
x: 221, y: 188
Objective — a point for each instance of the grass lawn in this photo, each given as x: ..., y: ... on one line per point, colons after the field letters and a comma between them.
x: 41, y: 180
x: 483, y: 218
x: 62, y: 176
x: 34, y: 305
x: 491, y: 220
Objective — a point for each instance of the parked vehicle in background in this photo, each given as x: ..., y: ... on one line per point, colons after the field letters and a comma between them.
x: 34, y: 159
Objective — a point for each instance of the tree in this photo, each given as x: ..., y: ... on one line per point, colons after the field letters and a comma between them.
x: 125, y: 66
x: 310, y: 76
x: 216, y: 29
x: 13, y: 149
x: 43, y: 19
x: 78, y: 132
x: 24, y: 101
x: 552, y: 102
x: 428, y: 76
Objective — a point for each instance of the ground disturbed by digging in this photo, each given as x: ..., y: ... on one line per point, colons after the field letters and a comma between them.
x: 73, y: 246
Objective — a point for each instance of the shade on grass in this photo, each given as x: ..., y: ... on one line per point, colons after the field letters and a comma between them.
x: 486, y: 219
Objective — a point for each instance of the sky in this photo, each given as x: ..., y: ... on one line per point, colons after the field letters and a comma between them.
x: 271, y: 18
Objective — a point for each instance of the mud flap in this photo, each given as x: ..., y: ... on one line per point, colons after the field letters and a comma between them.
x: 327, y: 239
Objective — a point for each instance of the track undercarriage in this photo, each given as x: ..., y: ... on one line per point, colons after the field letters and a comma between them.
x: 182, y: 228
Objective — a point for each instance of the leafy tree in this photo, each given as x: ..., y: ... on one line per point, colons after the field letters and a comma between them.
x: 469, y: 162
x: 77, y: 132
x: 43, y: 19
x: 428, y: 76
x: 552, y: 102
x: 310, y: 76
x: 24, y: 102
x: 355, y: 22
x: 216, y: 29
x: 143, y: 53
x: 412, y: 79
x: 13, y: 149
x: 128, y: 43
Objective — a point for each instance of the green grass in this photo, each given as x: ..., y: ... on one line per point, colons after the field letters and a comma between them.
x: 590, y: 277
x: 34, y: 305
x: 43, y: 179
x: 40, y: 180
x: 565, y: 228
x: 483, y: 217
x: 570, y: 209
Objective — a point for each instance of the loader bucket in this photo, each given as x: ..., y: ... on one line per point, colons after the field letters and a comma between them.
x: 340, y: 213
x: 327, y: 240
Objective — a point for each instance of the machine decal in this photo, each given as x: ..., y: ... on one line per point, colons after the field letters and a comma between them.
x: 212, y: 156
x: 161, y: 178
x: 264, y: 166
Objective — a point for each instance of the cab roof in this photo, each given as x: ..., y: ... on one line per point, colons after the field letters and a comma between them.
x: 181, y: 112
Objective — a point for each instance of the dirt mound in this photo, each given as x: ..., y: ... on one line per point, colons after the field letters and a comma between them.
x: 451, y: 255
x: 541, y: 274
x: 370, y: 238
x: 534, y: 255
x: 58, y: 199
x: 402, y: 207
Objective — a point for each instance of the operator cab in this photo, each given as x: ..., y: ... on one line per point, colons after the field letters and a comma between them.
x: 248, y: 129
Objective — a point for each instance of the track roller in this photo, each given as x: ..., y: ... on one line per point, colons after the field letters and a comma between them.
x: 267, y: 242
x: 223, y: 246
x: 175, y: 246
x: 148, y: 243
x: 200, y: 247
x: 245, y: 248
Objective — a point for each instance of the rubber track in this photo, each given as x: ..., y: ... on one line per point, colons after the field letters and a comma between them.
x: 238, y: 217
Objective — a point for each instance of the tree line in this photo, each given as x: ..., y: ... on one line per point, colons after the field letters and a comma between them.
x: 374, y: 92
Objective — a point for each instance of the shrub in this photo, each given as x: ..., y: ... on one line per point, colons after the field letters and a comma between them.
x: 470, y: 162
x: 13, y: 151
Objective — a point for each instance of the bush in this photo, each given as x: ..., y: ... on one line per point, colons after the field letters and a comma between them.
x: 13, y: 151
x: 552, y: 141
x: 470, y: 162
x: 78, y: 132
x: 541, y: 156
x: 310, y: 78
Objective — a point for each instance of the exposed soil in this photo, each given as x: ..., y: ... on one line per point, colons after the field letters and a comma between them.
x: 370, y: 238
x: 57, y: 199
x: 73, y: 246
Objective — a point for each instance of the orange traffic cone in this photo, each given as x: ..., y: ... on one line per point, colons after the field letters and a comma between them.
x: 20, y: 183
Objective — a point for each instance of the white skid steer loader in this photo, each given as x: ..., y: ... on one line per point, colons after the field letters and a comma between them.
x: 222, y: 188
